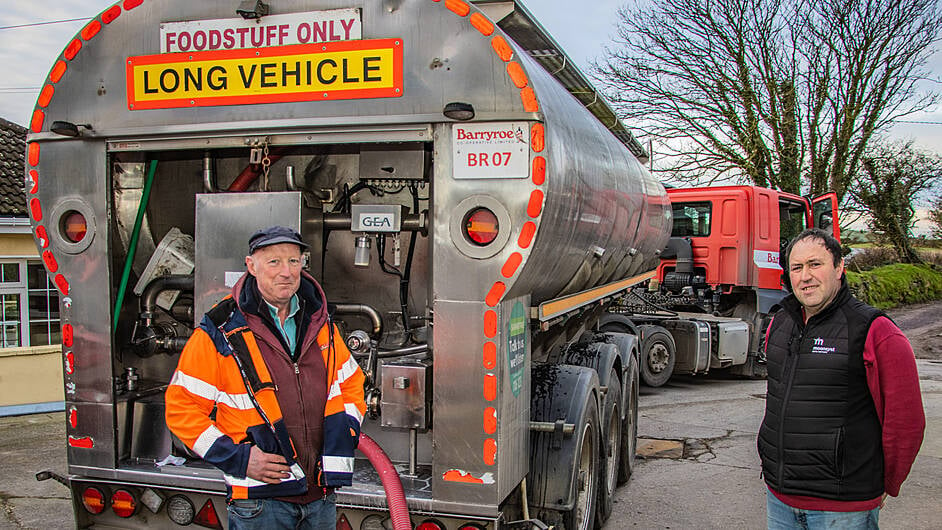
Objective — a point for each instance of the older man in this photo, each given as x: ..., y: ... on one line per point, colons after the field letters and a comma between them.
x: 843, y: 418
x: 267, y: 391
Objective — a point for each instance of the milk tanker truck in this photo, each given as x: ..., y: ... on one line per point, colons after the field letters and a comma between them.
x: 471, y: 204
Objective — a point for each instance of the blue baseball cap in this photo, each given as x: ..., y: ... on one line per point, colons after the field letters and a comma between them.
x: 274, y: 235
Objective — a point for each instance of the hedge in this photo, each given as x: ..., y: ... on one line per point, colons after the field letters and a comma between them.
x: 898, y: 284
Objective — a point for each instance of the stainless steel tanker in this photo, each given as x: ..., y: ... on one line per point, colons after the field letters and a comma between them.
x: 471, y: 203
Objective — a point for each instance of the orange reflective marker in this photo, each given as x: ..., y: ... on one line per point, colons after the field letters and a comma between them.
x: 537, y: 137
x: 504, y: 51
x: 45, y: 96
x: 110, y: 14
x: 535, y: 207
x: 33, y: 153
x: 36, y: 209
x: 72, y: 49
x: 490, y: 324
x: 33, y: 181
x: 490, y: 451
x: 482, y: 24
x: 131, y: 4
x: 528, y: 97
x: 36, y: 124
x: 454, y: 475
x: 458, y: 7
x: 57, y: 71
x: 490, y: 387
x: 42, y: 236
x: 490, y: 355
x: 497, y: 291
x: 91, y: 30
x: 510, y: 267
x: 62, y: 284
x: 526, y: 234
x: 67, y: 334
x: 50, y: 261
x: 517, y: 75
x: 83, y: 442
x: 490, y: 420
x: 539, y: 170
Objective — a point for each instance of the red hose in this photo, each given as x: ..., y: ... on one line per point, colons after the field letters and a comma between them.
x: 395, y: 497
x: 250, y: 174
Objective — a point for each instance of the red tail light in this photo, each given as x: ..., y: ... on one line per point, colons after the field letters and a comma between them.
x: 430, y: 524
x: 481, y: 226
x: 74, y: 226
x: 93, y: 500
x: 123, y: 503
x: 207, y: 517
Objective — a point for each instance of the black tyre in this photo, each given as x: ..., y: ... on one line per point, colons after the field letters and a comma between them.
x: 658, y: 355
x: 629, y: 429
x: 611, y: 449
x: 582, y: 514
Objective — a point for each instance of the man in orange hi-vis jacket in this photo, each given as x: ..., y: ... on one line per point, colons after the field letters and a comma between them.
x: 287, y: 394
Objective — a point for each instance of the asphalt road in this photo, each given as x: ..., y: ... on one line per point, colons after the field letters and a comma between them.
x: 715, y: 483
x: 712, y: 483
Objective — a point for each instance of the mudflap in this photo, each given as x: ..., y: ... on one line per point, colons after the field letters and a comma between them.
x: 559, y: 396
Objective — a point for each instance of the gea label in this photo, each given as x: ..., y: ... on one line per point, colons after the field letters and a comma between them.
x: 491, y: 150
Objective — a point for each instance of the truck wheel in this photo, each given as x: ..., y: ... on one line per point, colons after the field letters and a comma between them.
x: 658, y: 355
x: 611, y: 449
x: 582, y: 514
x: 629, y: 427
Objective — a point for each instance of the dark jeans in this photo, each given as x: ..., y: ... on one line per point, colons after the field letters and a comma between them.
x: 783, y: 517
x: 271, y: 514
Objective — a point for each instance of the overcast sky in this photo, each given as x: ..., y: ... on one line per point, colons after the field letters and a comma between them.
x: 27, y: 54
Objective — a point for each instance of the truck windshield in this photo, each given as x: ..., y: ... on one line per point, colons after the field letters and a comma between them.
x: 692, y: 219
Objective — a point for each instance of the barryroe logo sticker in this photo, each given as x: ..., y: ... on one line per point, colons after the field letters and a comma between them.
x: 489, y: 136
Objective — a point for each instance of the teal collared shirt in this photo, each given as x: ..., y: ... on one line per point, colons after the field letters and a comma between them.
x: 288, y: 329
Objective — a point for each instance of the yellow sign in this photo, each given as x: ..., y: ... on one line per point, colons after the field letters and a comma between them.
x: 305, y: 72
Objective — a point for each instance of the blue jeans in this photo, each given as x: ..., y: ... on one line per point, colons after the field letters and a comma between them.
x: 271, y: 514
x: 783, y: 517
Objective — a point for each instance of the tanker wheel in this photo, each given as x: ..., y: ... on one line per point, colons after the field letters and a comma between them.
x: 629, y: 427
x: 611, y: 449
x: 582, y: 514
x: 658, y: 355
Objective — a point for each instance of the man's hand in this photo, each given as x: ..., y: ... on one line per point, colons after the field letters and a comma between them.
x: 267, y: 467
x: 883, y: 501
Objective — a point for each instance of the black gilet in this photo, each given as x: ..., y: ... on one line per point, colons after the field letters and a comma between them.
x: 821, y: 436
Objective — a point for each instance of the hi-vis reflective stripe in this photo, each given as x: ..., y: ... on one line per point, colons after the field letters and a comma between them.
x: 205, y: 390
x: 206, y: 440
x: 349, y: 368
x: 296, y: 474
x: 338, y: 464
x: 353, y: 411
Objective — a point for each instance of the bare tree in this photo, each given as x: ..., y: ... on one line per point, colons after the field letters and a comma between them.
x: 781, y: 93
x: 891, y: 178
x: 935, y: 217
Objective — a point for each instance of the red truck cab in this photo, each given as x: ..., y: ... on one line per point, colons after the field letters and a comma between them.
x: 737, y: 236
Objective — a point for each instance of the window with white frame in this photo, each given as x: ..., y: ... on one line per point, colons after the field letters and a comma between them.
x: 29, y: 305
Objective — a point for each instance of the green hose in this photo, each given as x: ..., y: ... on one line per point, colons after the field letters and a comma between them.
x: 132, y: 246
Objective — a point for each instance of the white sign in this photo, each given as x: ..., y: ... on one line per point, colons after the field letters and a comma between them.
x: 268, y: 31
x: 765, y: 259
x: 491, y: 150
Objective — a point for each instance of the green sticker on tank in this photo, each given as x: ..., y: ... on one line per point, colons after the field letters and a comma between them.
x: 517, y: 346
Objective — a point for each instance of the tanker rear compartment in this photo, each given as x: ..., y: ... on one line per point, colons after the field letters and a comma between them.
x: 468, y: 259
